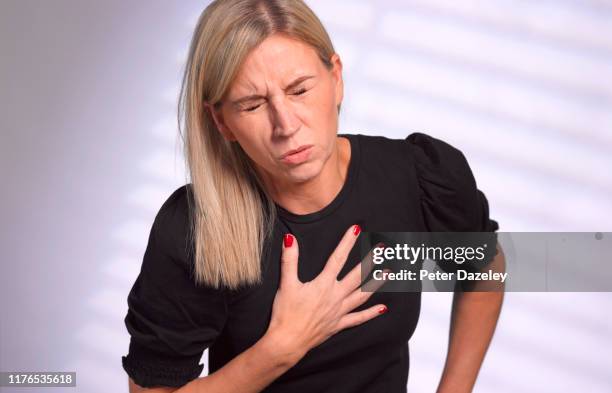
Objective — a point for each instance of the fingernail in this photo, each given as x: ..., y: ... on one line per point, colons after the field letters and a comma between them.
x: 288, y: 240
x: 382, y: 310
x: 356, y: 229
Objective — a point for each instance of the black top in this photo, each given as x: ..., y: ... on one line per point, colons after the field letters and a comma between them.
x: 417, y: 184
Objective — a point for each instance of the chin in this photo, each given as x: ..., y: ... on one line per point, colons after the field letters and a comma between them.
x: 304, y: 172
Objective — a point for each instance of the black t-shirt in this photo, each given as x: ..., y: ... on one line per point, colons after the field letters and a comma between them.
x: 418, y: 184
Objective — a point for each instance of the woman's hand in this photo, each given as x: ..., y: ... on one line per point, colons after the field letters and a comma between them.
x: 306, y: 314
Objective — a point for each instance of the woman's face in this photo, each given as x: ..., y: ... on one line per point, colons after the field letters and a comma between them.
x: 282, y: 99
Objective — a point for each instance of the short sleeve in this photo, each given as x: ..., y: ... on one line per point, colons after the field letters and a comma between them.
x: 170, y: 319
x: 450, y: 200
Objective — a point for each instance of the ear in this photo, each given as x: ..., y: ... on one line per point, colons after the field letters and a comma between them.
x: 337, y: 75
x: 217, y: 116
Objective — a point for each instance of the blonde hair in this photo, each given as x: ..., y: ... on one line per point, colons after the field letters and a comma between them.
x: 232, y: 214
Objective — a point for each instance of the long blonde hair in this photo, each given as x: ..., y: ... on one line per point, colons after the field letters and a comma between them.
x: 232, y: 214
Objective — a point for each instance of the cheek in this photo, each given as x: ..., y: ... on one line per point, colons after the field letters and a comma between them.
x: 256, y: 150
x: 245, y: 124
x: 252, y: 128
x: 321, y: 108
x: 251, y: 134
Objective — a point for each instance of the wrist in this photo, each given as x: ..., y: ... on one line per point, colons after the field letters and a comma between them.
x: 285, y: 351
x: 457, y: 383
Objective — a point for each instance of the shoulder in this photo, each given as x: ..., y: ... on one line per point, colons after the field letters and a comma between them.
x: 447, y: 189
x: 450, y: 198
x: 176, y: 208
x: 417, y: 150
x: 425, y: 149
x: 417, y: 146
x: 377, y: 143
x: 437, y: 160
x: 172, y: 225
x: 176, y: 205
x: 382, y: 154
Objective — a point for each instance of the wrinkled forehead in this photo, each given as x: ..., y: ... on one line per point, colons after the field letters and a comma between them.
x: 275, y: 63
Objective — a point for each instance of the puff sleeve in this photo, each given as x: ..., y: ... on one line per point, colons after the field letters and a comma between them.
x: 450, y: 200
x: 171, y: 320
x: 449, y: 197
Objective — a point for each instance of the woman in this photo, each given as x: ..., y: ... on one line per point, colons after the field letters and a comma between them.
x: 272, y: 181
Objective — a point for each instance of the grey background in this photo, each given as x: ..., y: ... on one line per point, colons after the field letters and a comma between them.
x: 88, y: 152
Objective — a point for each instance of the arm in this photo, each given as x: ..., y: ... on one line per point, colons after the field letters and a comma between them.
x: 249, y: 372
x: 473, y: 320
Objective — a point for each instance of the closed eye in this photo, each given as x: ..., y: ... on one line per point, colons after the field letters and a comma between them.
x: 252, y: 108
x: 254, y: 105
x: 300, y: 92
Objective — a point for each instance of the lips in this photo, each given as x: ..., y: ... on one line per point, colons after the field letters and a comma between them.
x: 299, y: 149
x: 297, y: 156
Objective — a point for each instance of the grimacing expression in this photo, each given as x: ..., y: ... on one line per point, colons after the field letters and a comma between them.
x: 283, y: 98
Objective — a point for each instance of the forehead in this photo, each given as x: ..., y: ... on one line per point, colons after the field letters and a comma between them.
x: 277, y: 60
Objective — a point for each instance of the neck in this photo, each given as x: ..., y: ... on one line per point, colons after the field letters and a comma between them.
x: 316, y: 193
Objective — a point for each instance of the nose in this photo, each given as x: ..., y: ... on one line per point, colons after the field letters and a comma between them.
x: 284, y: 117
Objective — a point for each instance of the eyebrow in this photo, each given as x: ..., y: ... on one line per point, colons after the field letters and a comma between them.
x: 256, y: 96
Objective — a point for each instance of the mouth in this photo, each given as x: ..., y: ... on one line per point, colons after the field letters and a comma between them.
x: 294, y: 151
x: 297, y: 156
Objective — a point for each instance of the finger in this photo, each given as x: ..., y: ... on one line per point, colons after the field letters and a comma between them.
x: 353, y: 279
x: 359, y: 317
x: 373, y: 284
x: 338, y: 257
x: 360, y: 296
x: 289, y: 260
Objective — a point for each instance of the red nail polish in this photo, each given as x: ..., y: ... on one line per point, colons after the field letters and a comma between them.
x: 382, y: 310
x: 356, y: 229
x: 288, y: 240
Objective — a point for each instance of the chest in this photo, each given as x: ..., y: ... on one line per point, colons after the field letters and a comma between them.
x: 250, y: 311
x: 374, y: 210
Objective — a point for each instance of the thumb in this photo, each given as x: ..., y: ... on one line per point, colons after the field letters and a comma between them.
x: 289, y: 260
